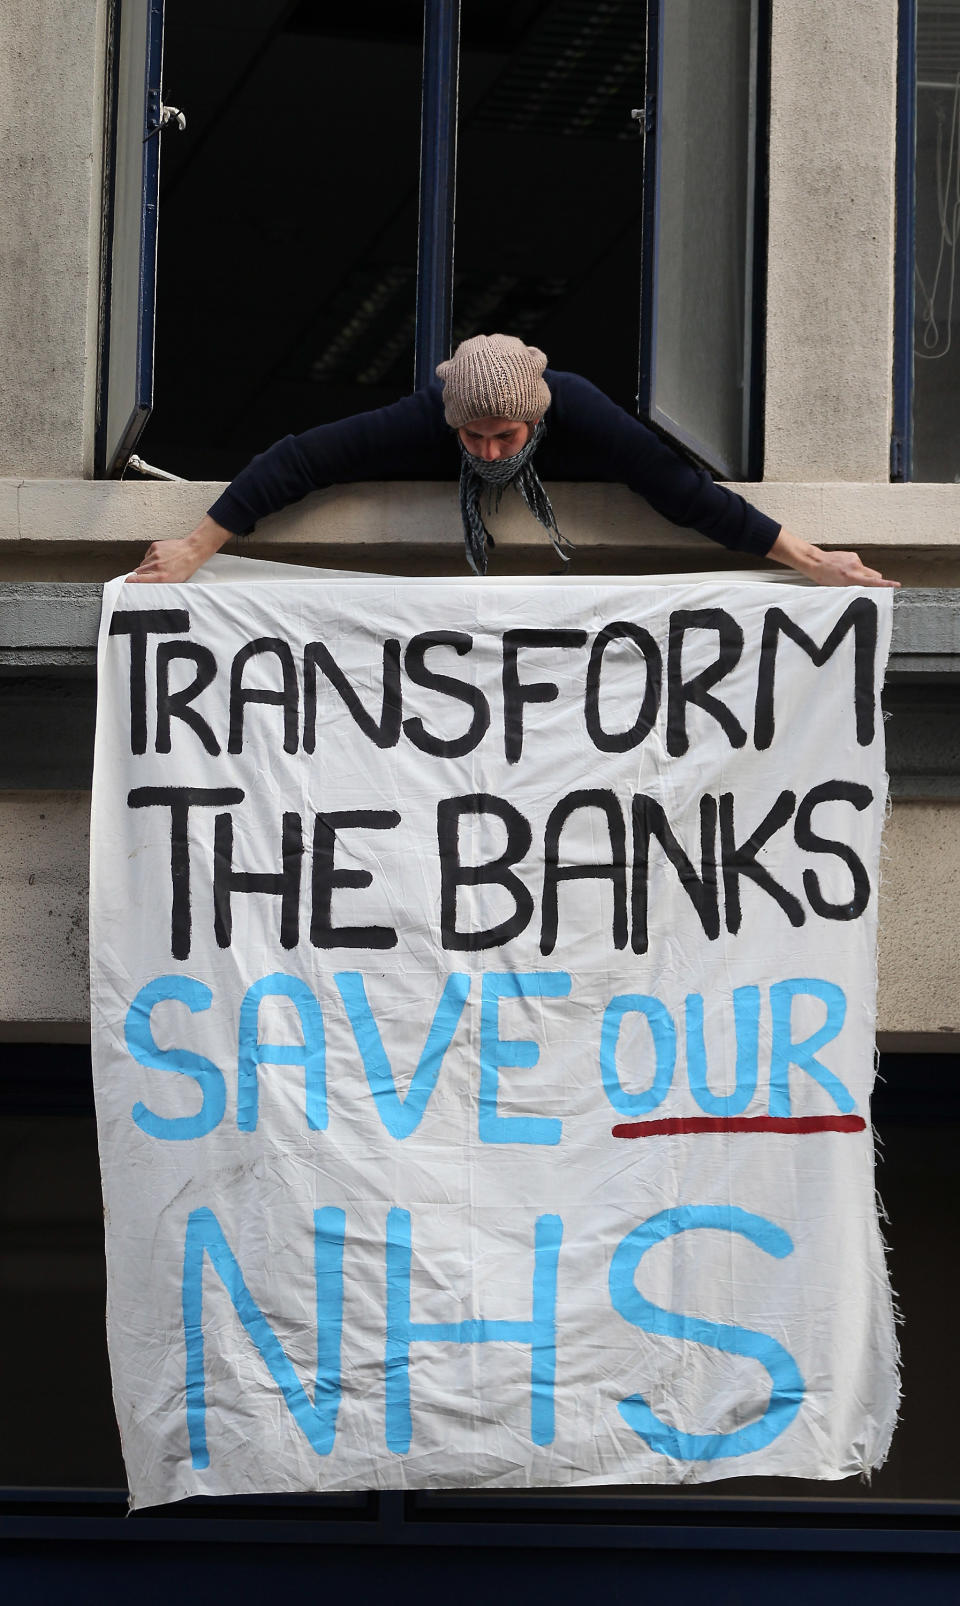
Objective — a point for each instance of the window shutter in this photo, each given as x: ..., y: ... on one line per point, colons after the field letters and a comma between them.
x: 700, y: 119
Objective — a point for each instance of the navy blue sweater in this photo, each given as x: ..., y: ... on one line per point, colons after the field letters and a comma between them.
x: 588, y: 437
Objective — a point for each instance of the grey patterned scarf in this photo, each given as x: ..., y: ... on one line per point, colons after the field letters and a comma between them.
x: 476, y: 475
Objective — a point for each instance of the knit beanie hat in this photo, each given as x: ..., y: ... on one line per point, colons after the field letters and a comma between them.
x: 494, y: 376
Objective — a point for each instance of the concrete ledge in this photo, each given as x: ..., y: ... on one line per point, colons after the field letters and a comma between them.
x: 49, y: 616
x: 44, y: 514
x: 918, y: 1042
x: 40, y: 1031
x: 44, y: 1031
x: 51, y: 625
x: 926, y: 635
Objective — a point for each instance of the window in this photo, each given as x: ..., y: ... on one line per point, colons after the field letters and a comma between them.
x: 699, y: 375
x: 926, y: 437
x: 58, y: 1427
x: 601, y: 156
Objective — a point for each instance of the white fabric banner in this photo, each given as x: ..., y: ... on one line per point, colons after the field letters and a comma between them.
x: 483, y: 999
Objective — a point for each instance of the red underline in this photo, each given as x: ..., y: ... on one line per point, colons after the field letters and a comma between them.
x: 740, y: 1123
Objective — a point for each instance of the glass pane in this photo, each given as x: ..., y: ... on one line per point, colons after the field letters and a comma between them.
x: 936, y: 419
x: 288, y: 238
x: 549, y: 182
x: 701, y: 356
x: 133, y: 245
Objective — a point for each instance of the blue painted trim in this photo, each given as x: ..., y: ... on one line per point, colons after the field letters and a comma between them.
x: 150, y: 196
x: 438, y: 182
x: 901, y: 442
x: 149, y: 216
x: 650, y: 211
x: 106, y: 245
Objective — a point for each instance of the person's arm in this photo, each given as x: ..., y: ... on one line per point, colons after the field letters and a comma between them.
x: 405, y: 440
x: 620, y: 447
x: 167, y: 562
x: 824, y: 568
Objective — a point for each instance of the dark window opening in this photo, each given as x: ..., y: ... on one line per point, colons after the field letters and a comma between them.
x: 549, y: 186
x: 289, y: 213
x: 288, y: 241
x: 926, y: 436
x: 60, y: 1430
x: 58, y: 1424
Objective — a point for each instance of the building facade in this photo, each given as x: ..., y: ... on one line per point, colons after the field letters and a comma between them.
x: 310, y: 305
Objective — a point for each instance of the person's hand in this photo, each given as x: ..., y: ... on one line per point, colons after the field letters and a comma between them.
x: 845, y: 569
x: 825, y: 568
x: 167, y: 562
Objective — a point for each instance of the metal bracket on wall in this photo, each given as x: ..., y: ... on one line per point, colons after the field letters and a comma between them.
x: 168, y: 115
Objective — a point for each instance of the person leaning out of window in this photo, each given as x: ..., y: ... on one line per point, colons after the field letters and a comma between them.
x: 513, y: 422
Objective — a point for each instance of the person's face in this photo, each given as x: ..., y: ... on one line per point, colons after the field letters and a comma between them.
x: 493, y: 438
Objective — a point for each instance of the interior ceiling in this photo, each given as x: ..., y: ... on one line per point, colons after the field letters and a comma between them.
x: 571, y: 68
x: 491, y: 24
x: 288, y: 210
x: 575, y: 74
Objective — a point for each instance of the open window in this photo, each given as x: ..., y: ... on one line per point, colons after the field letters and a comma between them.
x: 593, y: 158
x: 134, y: 130
x: 699, y: 370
